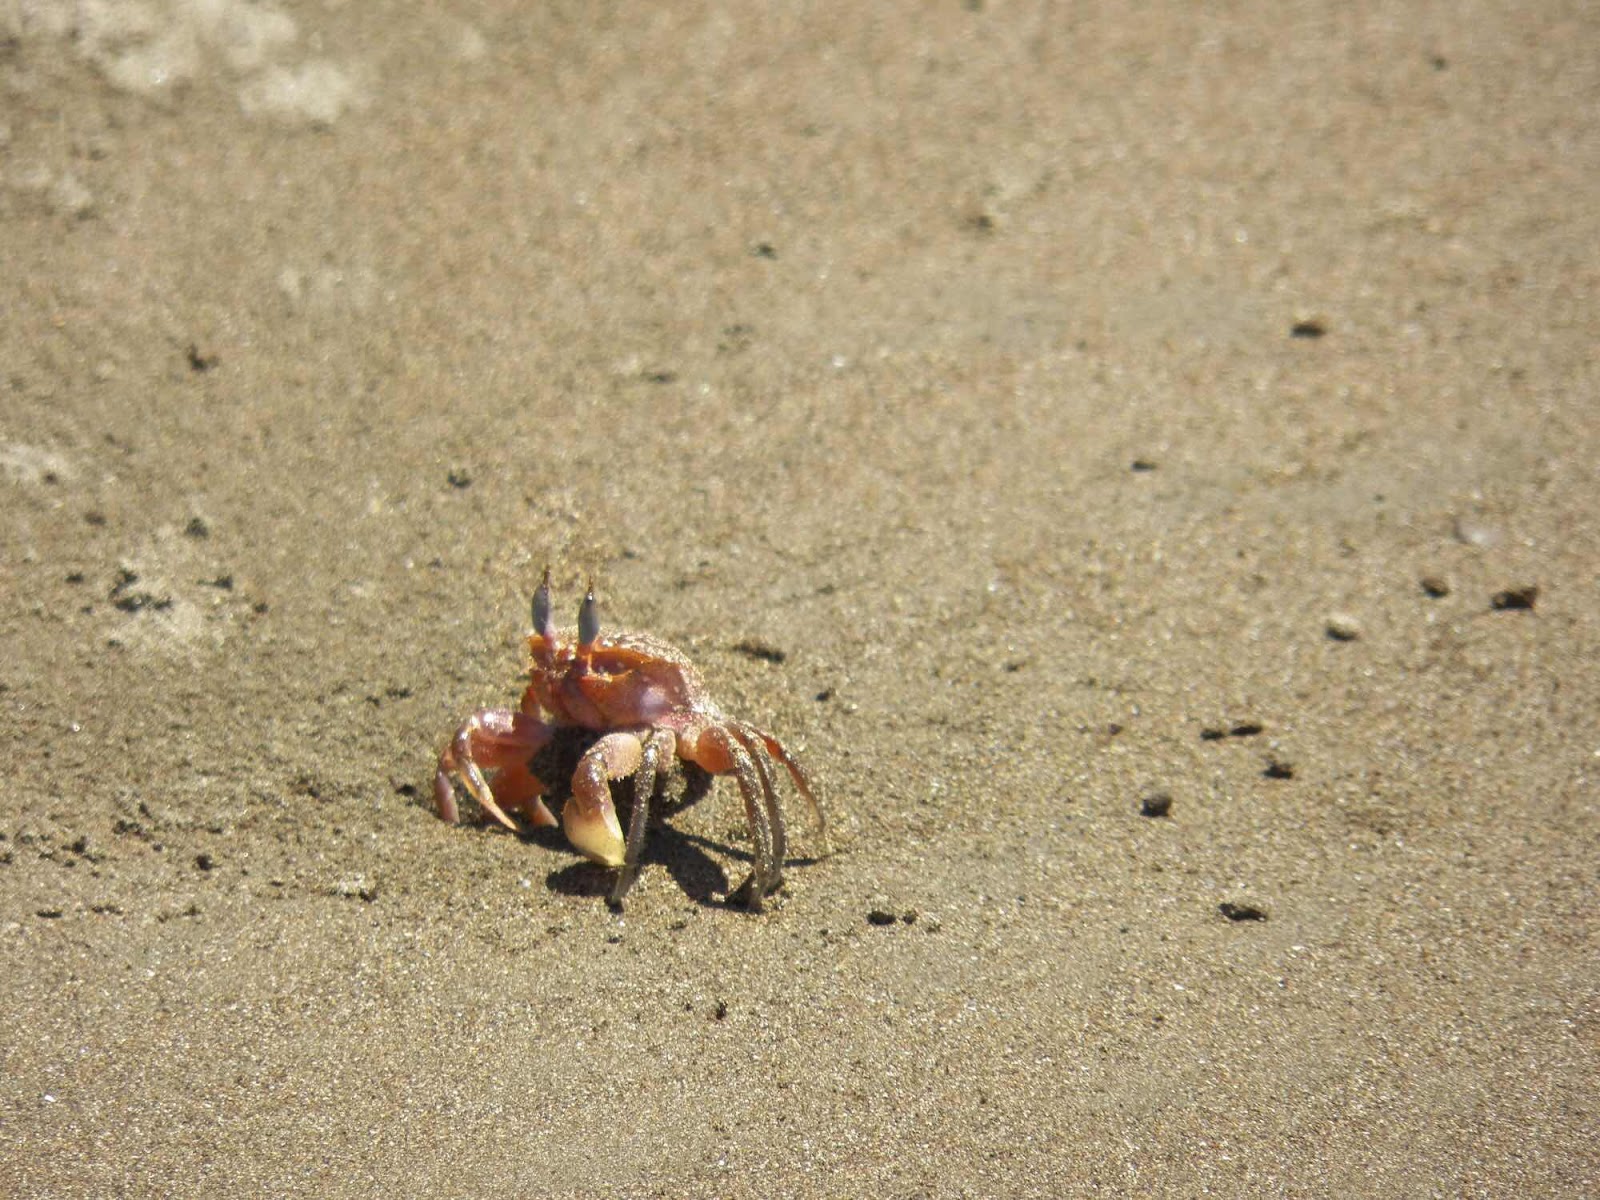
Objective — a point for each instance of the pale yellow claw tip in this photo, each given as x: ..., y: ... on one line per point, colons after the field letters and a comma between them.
x: 596, y: 836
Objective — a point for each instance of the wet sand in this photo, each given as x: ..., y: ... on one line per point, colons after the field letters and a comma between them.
x: 1028, y: 413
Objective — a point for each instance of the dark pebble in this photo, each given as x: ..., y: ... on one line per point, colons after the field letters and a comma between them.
x: 1156, y: 804
x: 765, y: 651
x: 1241, y: 912
x: 1341, y: 628
x: 1515, y: 599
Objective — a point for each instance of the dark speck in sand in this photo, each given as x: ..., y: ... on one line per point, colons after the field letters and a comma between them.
x: 766, y: 652
x: 200, y: 362
x: 124, y: 596
x: 1246, y: 729
x: 1156, y: 804
x: 1241, y: 912
x: 1341, y: 628
x: 1515, y: 599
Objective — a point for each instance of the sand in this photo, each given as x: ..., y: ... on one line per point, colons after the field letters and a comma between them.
x: 1026, y: 411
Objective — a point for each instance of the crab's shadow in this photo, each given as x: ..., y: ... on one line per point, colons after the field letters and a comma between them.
x: 684, y: 855
x: 700, y: 876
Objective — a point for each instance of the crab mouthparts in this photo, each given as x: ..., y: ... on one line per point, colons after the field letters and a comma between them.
x: 596, y: 833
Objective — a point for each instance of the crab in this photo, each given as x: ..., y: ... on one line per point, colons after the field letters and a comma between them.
x: 648, y: 704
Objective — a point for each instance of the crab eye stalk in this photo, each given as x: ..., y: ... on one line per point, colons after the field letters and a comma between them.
x: 588, y: 619
x: 543, y: 620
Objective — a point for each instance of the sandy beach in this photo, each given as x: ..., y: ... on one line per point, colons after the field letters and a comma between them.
x: 1145, y: 462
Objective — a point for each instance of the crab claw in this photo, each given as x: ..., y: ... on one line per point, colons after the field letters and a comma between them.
x: 589, y: 817
x: 594, y: 831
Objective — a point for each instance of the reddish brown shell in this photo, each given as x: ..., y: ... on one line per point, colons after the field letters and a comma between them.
x: 625, y: 679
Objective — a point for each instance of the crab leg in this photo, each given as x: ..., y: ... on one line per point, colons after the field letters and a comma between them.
x: 589, y: 817
x: 494, y: 739
x: 769, y: 795
x: 658, y: 748
x: 715, y: 749
x: 802, y: 781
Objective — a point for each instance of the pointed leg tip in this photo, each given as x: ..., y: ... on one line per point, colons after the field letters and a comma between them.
x: 751, y: 895
x: 625, y: 881
x: 444, y: 798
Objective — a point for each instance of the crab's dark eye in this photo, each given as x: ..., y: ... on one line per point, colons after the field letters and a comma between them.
x: 588, y: 619
x: 543, y: 621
